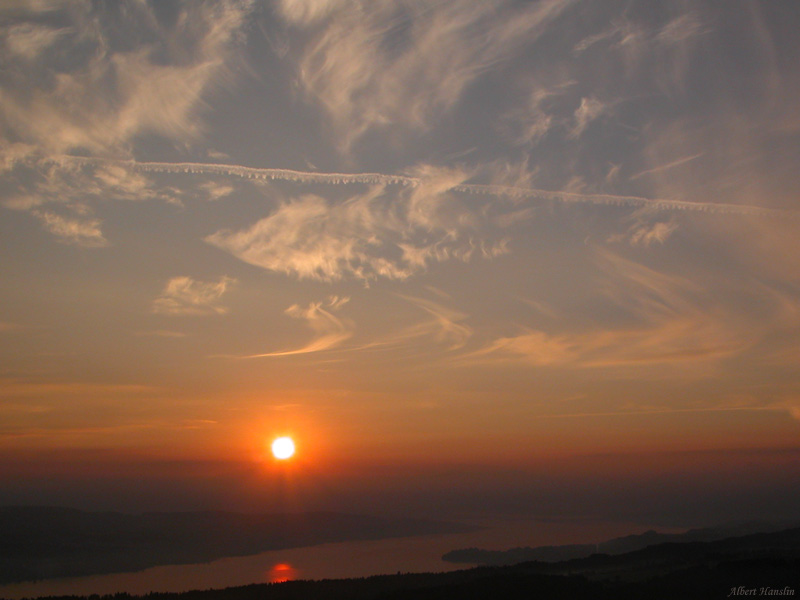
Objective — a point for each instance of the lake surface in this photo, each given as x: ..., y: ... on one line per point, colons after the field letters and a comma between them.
x: 337, y: 560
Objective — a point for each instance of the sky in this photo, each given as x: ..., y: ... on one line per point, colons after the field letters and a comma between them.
x: 472, y: 255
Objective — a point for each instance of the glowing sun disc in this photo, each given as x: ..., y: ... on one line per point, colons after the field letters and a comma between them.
x: 283, y: 448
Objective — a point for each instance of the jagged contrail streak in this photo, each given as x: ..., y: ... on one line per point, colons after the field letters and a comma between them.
x: 409, y: 181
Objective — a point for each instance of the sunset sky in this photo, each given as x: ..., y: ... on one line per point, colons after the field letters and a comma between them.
x: 497, y: 253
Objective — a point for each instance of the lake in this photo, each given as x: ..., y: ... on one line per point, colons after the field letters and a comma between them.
x: 336, y: 560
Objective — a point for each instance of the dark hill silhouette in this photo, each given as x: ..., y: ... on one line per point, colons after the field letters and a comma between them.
x: 46, y: 542
x: 772, y: 548
x: 629, y: 543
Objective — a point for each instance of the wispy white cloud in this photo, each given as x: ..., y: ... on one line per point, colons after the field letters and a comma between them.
x: 681, y: 28
x: 446, y: 326
x: 310, y: 239
x: 307, y: 12
x: 443, y: 326
x: 215, y: 191
x: 530, y: 346
x: 67, y: 183
x: 187, y: 296
x: 644, y: 234
x: 60, y: 186
x: 118, y: 182
x: 595, y: 38
x: 675, y: 323
x: 29, y: 40
x: 528, y: 124
x: 589, y: 110
x: 85, y: 232
x: 376, y: 64
x: 76, y: 88
x: 374, y: 235
x: 658, y: 232
x: 692, y: 343
x: 101, y: 100
x: 329, y: 330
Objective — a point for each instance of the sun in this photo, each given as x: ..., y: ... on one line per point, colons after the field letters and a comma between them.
x: 283, y: 448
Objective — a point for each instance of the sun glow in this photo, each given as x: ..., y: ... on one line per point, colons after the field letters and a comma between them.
x: 283, y: 448
x: 281, y: 572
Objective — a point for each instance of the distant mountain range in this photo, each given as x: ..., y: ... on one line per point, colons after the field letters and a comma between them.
x: 47, y: 542
x: 629, y: 543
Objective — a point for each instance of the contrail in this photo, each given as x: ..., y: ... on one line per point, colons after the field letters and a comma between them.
x: 409, y: 181
x: 248, y: 172
x: 666, y: 167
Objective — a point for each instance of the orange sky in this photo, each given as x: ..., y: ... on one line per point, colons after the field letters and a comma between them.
x: 478, y: 237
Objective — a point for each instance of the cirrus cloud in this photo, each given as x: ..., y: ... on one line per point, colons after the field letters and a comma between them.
x: 100, y: 100
x: 80, y: 232
x: 374, y: 64
x: 329, y: 330
x: 187, y: 296
x: 383, y: 233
